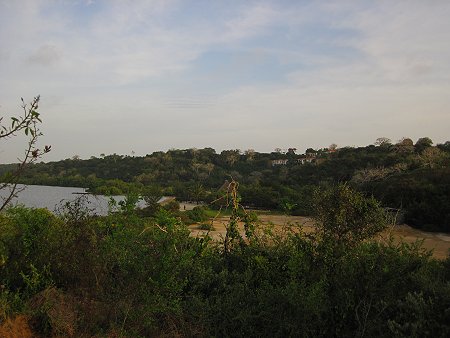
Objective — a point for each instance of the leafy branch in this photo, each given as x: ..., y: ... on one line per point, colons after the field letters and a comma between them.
x: 28, y: 123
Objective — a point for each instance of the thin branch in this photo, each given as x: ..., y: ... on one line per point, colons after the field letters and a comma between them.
x: 28, y: 123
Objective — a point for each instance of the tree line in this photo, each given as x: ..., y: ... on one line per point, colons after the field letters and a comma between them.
x: 404, y: 175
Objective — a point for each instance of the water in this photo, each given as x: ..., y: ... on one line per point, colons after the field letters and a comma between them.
x: 42, y: 196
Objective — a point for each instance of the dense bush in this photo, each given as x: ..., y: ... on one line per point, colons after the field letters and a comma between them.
x: 121, y: 275
x: 197, y: 214
x: 423, y: 193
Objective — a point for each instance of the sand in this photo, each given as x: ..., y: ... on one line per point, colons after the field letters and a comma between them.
x: 439, y: 243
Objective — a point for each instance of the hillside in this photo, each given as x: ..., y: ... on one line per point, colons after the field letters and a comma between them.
x: 413, y: 177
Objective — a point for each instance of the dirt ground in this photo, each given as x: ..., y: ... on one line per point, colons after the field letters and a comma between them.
x: 439, y: 243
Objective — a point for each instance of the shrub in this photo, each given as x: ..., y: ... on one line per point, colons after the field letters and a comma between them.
x: 172, y: 206
x: 24, y: 244
x: 206, y: 226
x: 198, y: 214
x: 88, y: 276
x: 345, y: 217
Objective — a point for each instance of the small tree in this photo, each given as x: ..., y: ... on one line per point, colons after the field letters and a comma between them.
x: 432, y: 157
x: 332, y: 147
x: 345, y: 217
x: 197, y: 192
x: 250, y: 154
x: 423, y: 143
x: 404, y: 145
x: 151, y: 196
x: 29, y: 124
x: 383, y: 142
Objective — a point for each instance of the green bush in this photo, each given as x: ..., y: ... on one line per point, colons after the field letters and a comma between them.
x: 24, y: 243
x: 172, y: 206
x: 197, y: 214
x: 206, y: 226
x: 138, y: 277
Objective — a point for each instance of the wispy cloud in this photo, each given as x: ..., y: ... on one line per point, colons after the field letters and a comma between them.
x: 45, y: 55
x: 270, y: 73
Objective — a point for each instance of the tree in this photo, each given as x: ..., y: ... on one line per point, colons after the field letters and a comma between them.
x: 432, y: 157
x: 404, y: 145
x: 209, y: 167
x: 151, y: 195
x: 423, y: 143
x: 250, y: 154
x: 230, y: 156
x: 370, y: 174
x: 345, y: 217
x: 383, y: 142
x: 444, y: 146
x: 29, y: 124
x: 197, y: 192
x: 287, y: 206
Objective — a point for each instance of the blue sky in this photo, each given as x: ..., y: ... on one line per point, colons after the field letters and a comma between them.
x: 123, y: 76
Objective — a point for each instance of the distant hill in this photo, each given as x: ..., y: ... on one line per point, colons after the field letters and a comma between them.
x: 415, y: 177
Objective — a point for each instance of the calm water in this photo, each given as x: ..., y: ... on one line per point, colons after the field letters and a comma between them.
x: 41, y: 196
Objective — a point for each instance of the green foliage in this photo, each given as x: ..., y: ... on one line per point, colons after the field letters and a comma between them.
x: 345, y: 217
x: 423, y: 143
x: 198, y: 174
x: 23, y: 244
x: 151, y: 196
x: 89, y: 276
x: 36, y: 280
x: 424, y: 193
x: 131, y: 276
x: 128, y: 205
x: 287, y: 206
x: 172, y: 206
x: 76, y: 211
x: 198, y: 214
x: 29, y: 123
x: 206, y: 226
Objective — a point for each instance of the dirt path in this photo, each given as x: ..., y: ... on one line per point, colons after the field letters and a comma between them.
x: 438, y: 242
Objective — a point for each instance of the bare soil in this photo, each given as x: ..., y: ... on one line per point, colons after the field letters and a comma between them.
x: 438, y: 243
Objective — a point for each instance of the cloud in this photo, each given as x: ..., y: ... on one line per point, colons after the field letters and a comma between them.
x: 160, y: 73
x: 46, y: 55
x: 405, y: 42
x: 250, y: 22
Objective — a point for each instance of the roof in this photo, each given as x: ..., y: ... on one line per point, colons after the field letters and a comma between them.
x: 166, y: 199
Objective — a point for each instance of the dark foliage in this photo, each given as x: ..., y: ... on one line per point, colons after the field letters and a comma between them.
x: 121, y: 275
x: 415, y: 179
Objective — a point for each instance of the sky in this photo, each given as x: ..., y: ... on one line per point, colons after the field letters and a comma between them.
x: 134, y: 77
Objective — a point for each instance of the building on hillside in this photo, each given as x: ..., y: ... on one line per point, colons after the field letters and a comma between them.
x: 303, y: 160
x: 279, y: 162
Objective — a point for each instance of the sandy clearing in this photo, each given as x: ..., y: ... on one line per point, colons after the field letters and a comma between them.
x: 439, y: 243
